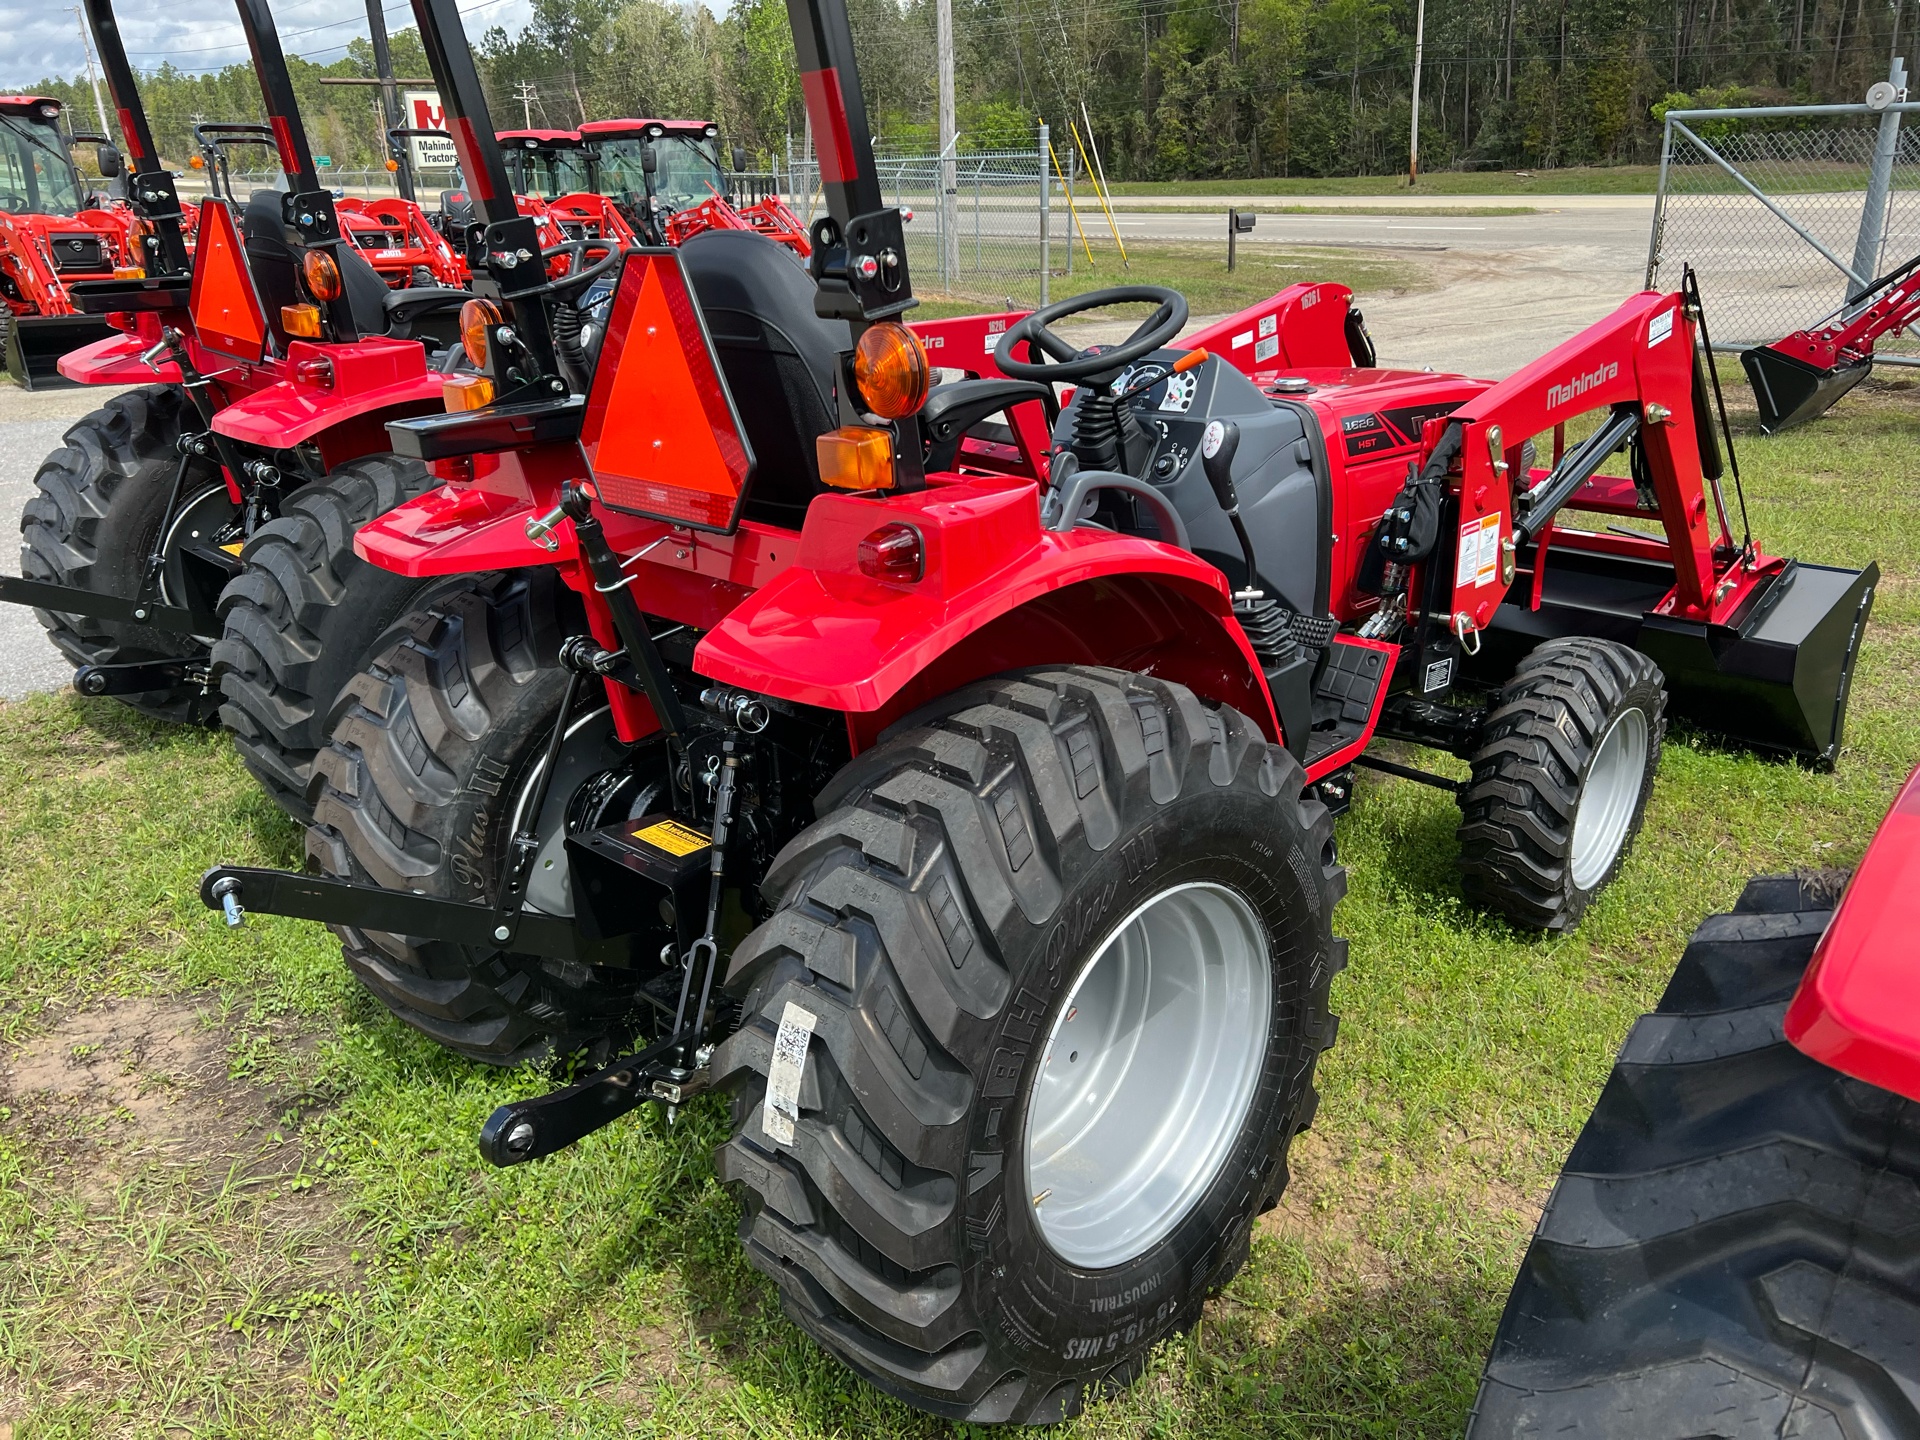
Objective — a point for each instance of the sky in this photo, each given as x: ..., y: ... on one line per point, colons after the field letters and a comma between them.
x: 44, y: 35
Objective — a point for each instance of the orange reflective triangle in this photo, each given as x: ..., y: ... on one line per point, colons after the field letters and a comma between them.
x: 660, y: 432
x: 226, y: 310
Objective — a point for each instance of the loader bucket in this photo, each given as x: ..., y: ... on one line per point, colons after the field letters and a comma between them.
x: 35, y: 344
x: 1791, y: 392
x: 1778, y: 678
x: 1775, y: 677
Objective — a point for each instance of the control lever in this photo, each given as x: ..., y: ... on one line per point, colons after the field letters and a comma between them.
x: 1191, y: 360
x: 1216, y: 458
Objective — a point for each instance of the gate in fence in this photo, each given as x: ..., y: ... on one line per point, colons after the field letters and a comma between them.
x: 1787, y: 212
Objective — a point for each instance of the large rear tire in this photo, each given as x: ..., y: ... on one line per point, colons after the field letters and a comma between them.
x: 1733, y: 1248
x: 434, y: 747
x: 1561, y: 780
x: 1042, y: 876
x: 305, y: 616
x: 101, y: 498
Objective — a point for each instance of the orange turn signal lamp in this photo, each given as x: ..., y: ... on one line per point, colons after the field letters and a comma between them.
x: 196, y: 162
x: 129, y: 272
x: 856, y: 457
x: 890, y: 367
x: 322, y: 274
x: 465, y: 392
x: 393, y: 166
x: 301, y: 320
x: 477, y: 319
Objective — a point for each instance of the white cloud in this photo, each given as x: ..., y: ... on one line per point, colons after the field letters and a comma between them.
x: 45, y: 38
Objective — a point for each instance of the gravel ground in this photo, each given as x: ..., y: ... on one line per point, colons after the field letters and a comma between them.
x: 31, y: 425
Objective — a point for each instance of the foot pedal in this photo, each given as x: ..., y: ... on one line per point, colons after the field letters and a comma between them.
x: 1343, y: 700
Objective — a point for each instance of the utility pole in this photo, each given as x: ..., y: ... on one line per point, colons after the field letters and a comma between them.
x: 1419, y: 45
x: 526, y: 97
x: 389, y: 95
x: 949, y: 186
x: 86, y: 44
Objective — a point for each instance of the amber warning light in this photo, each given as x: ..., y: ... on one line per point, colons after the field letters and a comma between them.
x: 660, y: 432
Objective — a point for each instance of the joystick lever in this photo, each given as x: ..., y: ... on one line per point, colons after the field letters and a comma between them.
x: 1217, y: 448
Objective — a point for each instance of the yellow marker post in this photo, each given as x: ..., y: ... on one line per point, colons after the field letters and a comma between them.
x: 1112, y: 224
x: 1072, y: 209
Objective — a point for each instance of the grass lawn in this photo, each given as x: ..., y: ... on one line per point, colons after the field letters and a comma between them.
x: 1582, y: 180
x: 236, y: 1199
x: 1197, y: 271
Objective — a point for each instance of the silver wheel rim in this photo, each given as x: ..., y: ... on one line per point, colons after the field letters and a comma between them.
x: 1608, y: 797
x: 1148, y: 1073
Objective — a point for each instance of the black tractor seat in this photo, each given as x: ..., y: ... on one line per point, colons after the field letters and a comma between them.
x: 376, y: 309
x: 778, y: 358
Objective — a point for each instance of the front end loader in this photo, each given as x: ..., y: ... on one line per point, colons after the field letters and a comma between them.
x: 946, y: 772
x: 1803, y: 376
x: 1733, y: 1247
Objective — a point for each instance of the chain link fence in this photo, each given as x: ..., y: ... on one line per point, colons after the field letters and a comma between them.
x: 1784, y: 211
x: 987, y: 226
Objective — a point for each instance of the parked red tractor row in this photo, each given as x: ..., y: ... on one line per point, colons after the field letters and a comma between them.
x: 217, y: 502
x: 947, y: 771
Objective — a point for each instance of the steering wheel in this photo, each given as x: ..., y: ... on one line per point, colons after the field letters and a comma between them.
x: 1073, y: 363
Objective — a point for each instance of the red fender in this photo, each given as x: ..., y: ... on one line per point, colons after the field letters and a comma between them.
x: 1858, y: 1007
x: 1304, y: 327
x: 115, y: 360
x: 367, y: 375
x: 999, y: 592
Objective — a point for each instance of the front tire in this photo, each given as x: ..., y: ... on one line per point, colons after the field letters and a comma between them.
x: 953, y: 919
x: 1561, y: 780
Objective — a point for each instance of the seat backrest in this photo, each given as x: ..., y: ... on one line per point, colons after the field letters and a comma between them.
x: 269, y: 258
x: 273, y: 263
x: 778, y: 358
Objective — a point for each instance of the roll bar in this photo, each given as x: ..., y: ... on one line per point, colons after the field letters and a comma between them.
x: 151, y: 191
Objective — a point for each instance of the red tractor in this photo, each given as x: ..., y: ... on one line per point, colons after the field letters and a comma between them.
x: 665, y: 175
x: 1803, y: 376
x: 189, y: 540
x: 948, y: 773
x: 54, y: 232
x: 1734, y: 1245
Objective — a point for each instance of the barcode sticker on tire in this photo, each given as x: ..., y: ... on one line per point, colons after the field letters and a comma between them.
x: 783, y: 1075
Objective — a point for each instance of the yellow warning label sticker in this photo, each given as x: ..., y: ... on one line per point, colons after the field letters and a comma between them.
x: 235, y: 548
x: 672, y: 837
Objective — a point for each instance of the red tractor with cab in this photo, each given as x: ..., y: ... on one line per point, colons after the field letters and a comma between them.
x: 666, y: 177
x: 54, y: 232
x: 1733, y: 1247
x: 947, y: 772
x: 189, y: 542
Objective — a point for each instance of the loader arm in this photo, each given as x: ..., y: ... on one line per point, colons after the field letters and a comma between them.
x: 1637, y: 364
